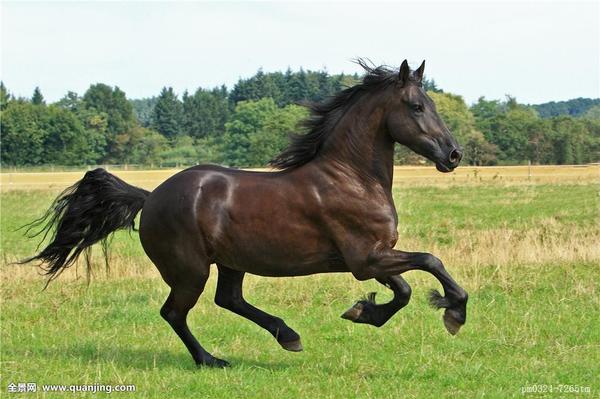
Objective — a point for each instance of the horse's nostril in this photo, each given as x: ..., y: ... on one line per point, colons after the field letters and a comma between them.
x: 455, y: 156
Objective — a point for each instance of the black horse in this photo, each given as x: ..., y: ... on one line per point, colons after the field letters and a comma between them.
x: 329, y: 208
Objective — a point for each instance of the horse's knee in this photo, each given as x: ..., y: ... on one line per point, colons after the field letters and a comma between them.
x: 404, y: 294
x: 431, y: 263
x: 228, y: 302
x: 176, y: 307
x: 169, y: 314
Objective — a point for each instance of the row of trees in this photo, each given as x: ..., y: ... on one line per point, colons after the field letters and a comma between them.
x: 248, y: 125
x: 98, y: 127
x: 506, y: 132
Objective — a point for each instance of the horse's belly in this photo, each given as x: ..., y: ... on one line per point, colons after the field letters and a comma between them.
x: 284, y: 255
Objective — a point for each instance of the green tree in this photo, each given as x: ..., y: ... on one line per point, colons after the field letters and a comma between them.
x: 149, y: 146
x: 592, y: 147
x: 143, y: 109
x: 37, y: 98
x: 182, y: 152
x: 141, y: 145
x: 112, y: 102
x: 22, y: 134
x: 593, y: 112
x: 205, y: 112
x: 67, y: 141
x: 512, y: 132
x: 291, y: 87
x: 71, y: 101
x: 478, y: 151
x: 343, y: 81
x: 326, y: 85
x: 574, y: 107
x: 484, y: 112
x: 539, y: 142
x: 4, y: 96
x: 296, y: 86
x: 167, y: 116
x: 455, y: 114
x: 430, y: 85
x: 571, y: 140
x: 462, y: 123
x: 95, y: 124
x: 248, y: 118
x: 273, y: 135
x: 507, y: 125
x: 259, y: 86
x: 258, y: 131
x: 208, y: 149
x: 34, y: 135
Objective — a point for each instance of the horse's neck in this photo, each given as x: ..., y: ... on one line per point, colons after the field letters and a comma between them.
x: 361, y: 144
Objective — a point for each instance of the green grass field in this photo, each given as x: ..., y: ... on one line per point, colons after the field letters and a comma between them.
x: 527, y: 253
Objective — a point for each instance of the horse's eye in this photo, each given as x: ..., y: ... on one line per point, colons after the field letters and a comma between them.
x: 418, y: 108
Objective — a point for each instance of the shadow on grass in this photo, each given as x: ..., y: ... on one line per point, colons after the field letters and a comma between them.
x: 145, y: 359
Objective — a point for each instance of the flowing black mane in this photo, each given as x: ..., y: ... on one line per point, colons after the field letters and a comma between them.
x: 325, y: 115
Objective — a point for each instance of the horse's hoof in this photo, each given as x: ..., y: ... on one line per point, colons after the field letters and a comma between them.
x: 215, y: 363
x: 292, y: 346
x: 450, y: 322
x: 354, y: 312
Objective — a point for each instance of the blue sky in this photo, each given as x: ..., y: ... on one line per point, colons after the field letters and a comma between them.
x: 537, y: 51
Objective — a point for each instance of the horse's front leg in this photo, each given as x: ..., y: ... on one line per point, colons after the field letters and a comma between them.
x: 382, y: 263
x: 368, y: 312
x: 229, y: 296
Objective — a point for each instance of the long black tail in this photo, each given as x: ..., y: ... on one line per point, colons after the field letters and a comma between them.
x: 83, y: 214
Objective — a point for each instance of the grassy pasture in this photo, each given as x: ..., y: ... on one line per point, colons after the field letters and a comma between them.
x: 526, y: 249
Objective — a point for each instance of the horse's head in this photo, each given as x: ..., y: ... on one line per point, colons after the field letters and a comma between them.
x: 413, y: 121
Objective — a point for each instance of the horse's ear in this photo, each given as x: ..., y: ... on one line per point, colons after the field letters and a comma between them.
x: 404, y: 71
x: 418, y: 74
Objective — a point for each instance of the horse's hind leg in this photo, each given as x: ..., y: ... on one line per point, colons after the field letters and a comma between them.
x: 175, y: 311
x: 367, y: 312
x: 186, y: 274
x: 229, y: 296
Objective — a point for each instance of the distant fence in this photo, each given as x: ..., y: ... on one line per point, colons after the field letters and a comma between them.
x: 78, y: 168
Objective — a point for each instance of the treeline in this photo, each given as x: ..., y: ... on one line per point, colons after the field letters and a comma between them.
x: 575, y: 107
x: 249, y: 124
x: 507, y: 133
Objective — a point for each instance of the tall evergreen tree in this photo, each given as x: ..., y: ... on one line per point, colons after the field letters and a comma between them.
x: 296, y: 86
x: 205, y: 112
x: 4, y: 96
x: 167, y: 116
x: 37, y: 98
x: 430, y: 85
